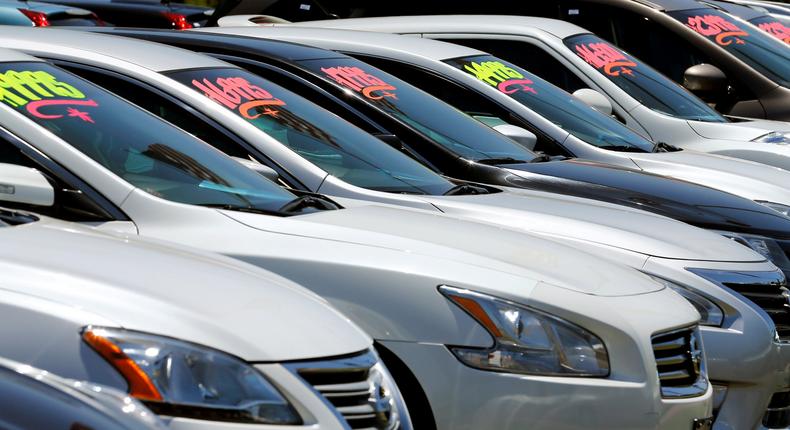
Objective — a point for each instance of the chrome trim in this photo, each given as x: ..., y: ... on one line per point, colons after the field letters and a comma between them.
x: 726, y: 279
x: 691, y: 354
x: 353, y: 391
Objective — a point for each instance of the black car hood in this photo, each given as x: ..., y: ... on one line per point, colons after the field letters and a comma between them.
x: 684, y: 201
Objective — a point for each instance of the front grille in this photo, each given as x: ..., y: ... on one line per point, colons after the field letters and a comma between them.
x: 355, y: 388
x: 679, y: 363
x: 767, y: 290
x: 773, y: 298
x: 777, y: 416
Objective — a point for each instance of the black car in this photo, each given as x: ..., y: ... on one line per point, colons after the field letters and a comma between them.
x: 41, y: 14
x: 146, y: 13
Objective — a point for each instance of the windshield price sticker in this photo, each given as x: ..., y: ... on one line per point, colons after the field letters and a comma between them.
x: 360, y: 81
x: 776, y: 29
x: 606, y: 58
x: 497, y: 74
x: 238, y: 94
x: 42, y: 95
x: 724, y: 32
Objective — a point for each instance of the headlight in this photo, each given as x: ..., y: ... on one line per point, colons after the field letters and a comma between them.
x: 527, y: 340
x: 777, y: 137
x: 768, y: 248
x: 177, y: 378
x: 711, y: 313
x: 782, y: 209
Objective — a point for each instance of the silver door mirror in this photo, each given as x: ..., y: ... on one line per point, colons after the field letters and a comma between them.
x: 262, y: 169
x: 521, y: 135
x: 595, y: 100
x: 19, y: 184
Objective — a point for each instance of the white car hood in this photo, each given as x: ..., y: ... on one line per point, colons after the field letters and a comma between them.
x: 745, y: 131
x: 597, y: 222
x: 432, y: 235
x: 748, y: 179
x: 173, y: 291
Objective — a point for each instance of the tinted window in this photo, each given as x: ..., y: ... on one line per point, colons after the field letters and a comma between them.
x: 140, y: 148
x: 639, y: 80
x: 552, y: 103
x: 316, y: 134
x: 764, y: 53
x: 776, y: 27
x: 439, y: 121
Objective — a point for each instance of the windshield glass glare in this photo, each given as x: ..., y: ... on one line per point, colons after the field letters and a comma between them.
x: 552, y: 103
x: 764, y: 53
x: 140, y: 148
x: 323, y: 138
x: 438, y: 121
x: 640, y: 81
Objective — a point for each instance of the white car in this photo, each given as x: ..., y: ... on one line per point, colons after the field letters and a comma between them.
x: 492, y: 326
x: 205, y: 341
x: 27, y: 391
x: 439, y: 68
x: 607, y: 230
x: 580, y: 62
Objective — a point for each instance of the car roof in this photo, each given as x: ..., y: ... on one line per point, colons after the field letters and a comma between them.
x: 274, y: 48
x: 470, y: 23
x: 342, y: 40
x: 153, y: 56
x: 9, y: 55
x: 671, y: 5
x: 740, y: 11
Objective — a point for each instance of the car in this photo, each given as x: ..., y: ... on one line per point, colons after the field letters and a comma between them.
x: 431, y: 299
x: 42, y: 14
x: 748, y: 79
x: 146, y: 13
x: 642, y: 98
x: 777, y: 25
x: 68, y: 404
x: 183, y: 331
x: 337, y: 155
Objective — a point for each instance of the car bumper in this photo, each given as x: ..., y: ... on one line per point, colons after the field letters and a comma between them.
x: 463, y: 398
x: 742, y: 355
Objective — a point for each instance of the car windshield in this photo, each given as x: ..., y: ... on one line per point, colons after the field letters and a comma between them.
x: 759, y: 50
x: 640, y: 81
x: 775, y: 26
x: 316, y: 134
x: 435, y: 119
x: 147, y: 152
x: 552, y: 103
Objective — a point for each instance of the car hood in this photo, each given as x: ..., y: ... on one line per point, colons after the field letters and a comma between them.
x: 684, y: 201
x: 597, y: 222
x: 749, y: 179
x: 435, y: 236
x: 173, y: 291
x: 745, y: 131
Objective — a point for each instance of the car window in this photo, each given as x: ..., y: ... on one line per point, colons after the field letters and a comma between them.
x: 145, y: 151
x: 316, y: 134
x: 759, y: 50
x: 439, y: 121
x: 639, y: 80
x: 776, y: 27
x: 552, y: 103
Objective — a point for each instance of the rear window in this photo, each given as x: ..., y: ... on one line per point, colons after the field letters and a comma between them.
x: 640, y: 81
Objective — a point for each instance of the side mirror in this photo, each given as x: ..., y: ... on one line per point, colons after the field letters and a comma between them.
x: 706, y: 81
x: 521, y: 135
x: 262, y: 169
x: 595, y: 100
x: 19, y: 184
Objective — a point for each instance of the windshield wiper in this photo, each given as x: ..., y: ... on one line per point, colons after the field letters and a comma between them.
x: 239, y: 208
x: 466, y: 190
x: 13, y: 217
x: 503, y: 160
x: 665, y: 147
x: 315, y: 201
